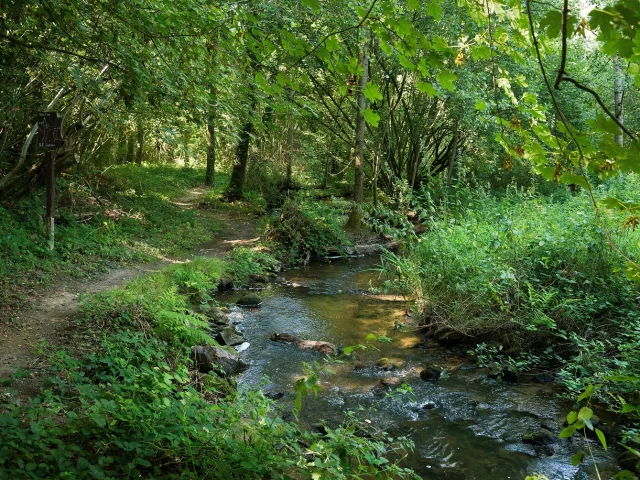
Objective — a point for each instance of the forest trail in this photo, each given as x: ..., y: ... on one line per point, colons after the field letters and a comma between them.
x: 52, y: 318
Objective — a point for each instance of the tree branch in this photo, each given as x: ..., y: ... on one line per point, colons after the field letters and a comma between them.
x: 37, y: 46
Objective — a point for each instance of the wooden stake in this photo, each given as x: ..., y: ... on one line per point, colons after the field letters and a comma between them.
x: 51, y: 196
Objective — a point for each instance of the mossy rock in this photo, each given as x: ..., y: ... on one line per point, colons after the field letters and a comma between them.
x: 217, y: 316
x: 250, y: 300
x: 431, y: 373
x: 389, y: 363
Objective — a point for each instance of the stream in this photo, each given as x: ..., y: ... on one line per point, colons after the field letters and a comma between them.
x: 472, y: 426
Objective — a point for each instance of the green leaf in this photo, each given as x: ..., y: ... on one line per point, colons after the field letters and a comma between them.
x: 371, y: 117
x: 627, y: 408
x: 406, y: 63
x: 313, y: 4
x: 602, y: 439
x: 370, y: 337
x: 426, y: 87
x: 413, y: 5
x: 372, y: 92
x: 586, y: 394
x: 446, y: 79
x: 481, y: 105
x: 572, y: 417
x: 577, y: 458
x: 604, y: 124
x: 567, y: 432
x: 481, y: 52
x: 552, y: 22
x: 348, y: 350
x: 585, y: 413
x: 434, y: 9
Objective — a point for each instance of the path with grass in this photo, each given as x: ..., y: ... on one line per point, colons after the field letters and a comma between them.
x: 52, y: 319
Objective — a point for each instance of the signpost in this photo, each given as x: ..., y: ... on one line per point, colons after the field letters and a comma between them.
x: 50, y: 138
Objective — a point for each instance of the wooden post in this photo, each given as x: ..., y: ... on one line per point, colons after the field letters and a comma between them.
x: 50, y: 139
x: 51, y: 196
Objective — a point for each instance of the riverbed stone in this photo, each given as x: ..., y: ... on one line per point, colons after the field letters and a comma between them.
x: 225, y: 284
x: 217, y: 316
x: 542, y: 441
x: 213, y: 358
x: 250, y: 300
x: 256, y: 278
x: 431, y: 373
x: 545, y: 377
x: 229, y: 336
x: 385, y: 384
x: 389, y: 364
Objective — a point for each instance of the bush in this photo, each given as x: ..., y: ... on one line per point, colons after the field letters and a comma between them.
x: 305, y: 228
x: 533, y: 274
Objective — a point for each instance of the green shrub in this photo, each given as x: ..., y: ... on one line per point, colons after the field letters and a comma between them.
x: 305, y: 228
x: 534, y: 274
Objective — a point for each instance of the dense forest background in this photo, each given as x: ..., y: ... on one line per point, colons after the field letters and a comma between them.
x: 495, y: 141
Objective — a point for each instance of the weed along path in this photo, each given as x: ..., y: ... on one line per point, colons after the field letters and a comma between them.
x: 51, y: 320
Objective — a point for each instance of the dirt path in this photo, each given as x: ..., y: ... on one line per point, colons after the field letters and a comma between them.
x: 51, y: 320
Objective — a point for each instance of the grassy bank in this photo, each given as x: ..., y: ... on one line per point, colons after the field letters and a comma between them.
x: 127, y: 402
x: 129, y: 213
x: 530, y: 281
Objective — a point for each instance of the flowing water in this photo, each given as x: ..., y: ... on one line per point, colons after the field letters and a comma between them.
x: 472, y: 427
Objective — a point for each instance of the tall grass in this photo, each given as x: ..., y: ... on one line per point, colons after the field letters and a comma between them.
x: 532, y: 273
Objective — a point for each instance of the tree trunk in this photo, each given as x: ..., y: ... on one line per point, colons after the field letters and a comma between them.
x: 355, y: 218
x: 618, y: 94
x: 235, y: 190
x: 210, y: 176
x: 289, y: 153
x: 454, y: 151
x: 130, y: 148
x: 140, y: 137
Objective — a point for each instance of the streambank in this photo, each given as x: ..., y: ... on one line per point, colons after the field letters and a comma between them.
x: 464, y: 424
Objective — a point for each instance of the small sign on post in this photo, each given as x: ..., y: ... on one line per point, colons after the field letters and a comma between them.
x: 50, y: 138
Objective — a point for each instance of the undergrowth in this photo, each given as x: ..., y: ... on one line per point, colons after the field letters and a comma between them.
x: 128, y: 404
x: 533, y: 280
x: 305, y: 227
x: 127, y: 213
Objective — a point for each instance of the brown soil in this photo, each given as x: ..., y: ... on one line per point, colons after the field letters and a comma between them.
x: 52, y: 318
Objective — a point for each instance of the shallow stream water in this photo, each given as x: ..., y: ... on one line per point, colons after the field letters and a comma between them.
x: 474, y: 426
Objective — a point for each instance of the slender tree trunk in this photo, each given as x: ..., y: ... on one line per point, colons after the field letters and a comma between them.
x: 355, y: 217
x: 130, y: 147
x: 210, y: 176
x: 140, y: 137
x: 289, y: 153
x: 454, y: 151
x: 618, y: 94
x: 235, y: 190
x: 360, y: 126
